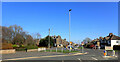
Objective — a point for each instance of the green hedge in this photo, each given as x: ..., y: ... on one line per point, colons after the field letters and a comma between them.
x: 28, y: 47
x: 31, y: 47
x: 14, y: 46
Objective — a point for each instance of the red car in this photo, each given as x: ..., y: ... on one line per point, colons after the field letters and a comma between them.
x: 92, y: 46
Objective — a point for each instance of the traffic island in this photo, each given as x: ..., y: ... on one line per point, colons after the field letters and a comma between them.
x: 60, y: 51
x: 109, y: 56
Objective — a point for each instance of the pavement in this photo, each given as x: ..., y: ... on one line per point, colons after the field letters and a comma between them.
x: 90, y: 54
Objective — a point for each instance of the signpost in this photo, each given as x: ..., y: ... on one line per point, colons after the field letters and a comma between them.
x: 82, y: 46
x: 108, y: 48
x: 70, y: 46
x: 56, y: 47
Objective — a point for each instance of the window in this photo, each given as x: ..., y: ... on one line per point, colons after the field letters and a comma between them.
x: 117, y: 41
x: 105, y: 42
x: 109, y: 42
x: 101, y: 41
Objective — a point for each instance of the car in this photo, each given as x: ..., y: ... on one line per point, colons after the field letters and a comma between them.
x: 69, y: 47
x: 92, y: 46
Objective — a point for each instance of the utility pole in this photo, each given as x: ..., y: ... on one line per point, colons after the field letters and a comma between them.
x: 49, y: 38
x: 69, y: 29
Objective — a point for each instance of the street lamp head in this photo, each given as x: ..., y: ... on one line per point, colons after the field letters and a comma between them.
x: 70, y: 9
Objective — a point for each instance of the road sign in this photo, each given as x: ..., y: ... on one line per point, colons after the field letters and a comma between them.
x: 108, y: 48
x: 70, y: 42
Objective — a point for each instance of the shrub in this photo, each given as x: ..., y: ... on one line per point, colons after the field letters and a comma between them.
x: 7, y: 46
x: 31, y: 47
x: 21, y: 45
x: 14, y: 46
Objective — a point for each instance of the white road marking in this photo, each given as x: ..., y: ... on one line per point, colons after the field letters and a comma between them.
x: 79, y: 59
x: 94, y: 58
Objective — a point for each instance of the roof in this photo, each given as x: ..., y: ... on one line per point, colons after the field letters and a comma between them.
x: 101, y: 38
x: 107, y: 38
x: 114, y: 37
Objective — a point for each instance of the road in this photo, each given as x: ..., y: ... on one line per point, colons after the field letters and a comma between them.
x: 91, y: 54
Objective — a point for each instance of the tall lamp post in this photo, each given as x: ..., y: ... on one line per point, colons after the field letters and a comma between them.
x: 69, y: 28
x: 49, y: 39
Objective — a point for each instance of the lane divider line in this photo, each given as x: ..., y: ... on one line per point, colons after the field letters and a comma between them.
x: 79, y: 59
x: 94, y: 58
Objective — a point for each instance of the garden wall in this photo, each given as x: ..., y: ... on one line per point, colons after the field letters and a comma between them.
x: 7, y: 51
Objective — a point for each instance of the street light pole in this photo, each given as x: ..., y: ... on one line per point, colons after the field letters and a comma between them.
x: 49, y: 39
x: 69, y: 29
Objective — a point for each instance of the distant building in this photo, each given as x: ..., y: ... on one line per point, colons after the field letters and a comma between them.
x: 59, y: 41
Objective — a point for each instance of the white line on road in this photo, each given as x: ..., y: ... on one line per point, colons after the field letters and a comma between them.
x: 79, y: 59
x: 94, y: 58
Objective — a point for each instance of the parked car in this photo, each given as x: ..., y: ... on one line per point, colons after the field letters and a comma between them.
x: 92, y: 46
x: 69, y: 47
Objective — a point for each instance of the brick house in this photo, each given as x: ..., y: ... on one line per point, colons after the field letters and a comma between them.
x: 59, y: 41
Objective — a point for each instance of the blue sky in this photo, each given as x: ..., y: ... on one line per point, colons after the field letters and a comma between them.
x: 88, y: 19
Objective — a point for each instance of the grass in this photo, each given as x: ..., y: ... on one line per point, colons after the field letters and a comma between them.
x: 80, y: 47
x: 64, y: 51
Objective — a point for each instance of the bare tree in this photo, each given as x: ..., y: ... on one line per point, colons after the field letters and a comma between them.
x: 38, y: 36
x: 87, y: 40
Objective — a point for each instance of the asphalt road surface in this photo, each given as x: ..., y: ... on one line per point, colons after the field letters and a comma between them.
x: 92, y: 54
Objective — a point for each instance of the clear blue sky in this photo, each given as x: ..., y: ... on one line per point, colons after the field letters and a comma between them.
x: 87, y: 19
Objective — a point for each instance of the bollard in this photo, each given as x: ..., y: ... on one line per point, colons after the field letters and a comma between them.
x: 45, y: 49
x: 104, y: 53
x: 70, y: 49
x: 62, y: 50
x: 113, y: 53
x: 56, y: 49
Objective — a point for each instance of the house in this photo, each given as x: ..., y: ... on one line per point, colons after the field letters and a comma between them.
x: 115, y: 40
x: 59, y: 41
x: 109, y: 40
